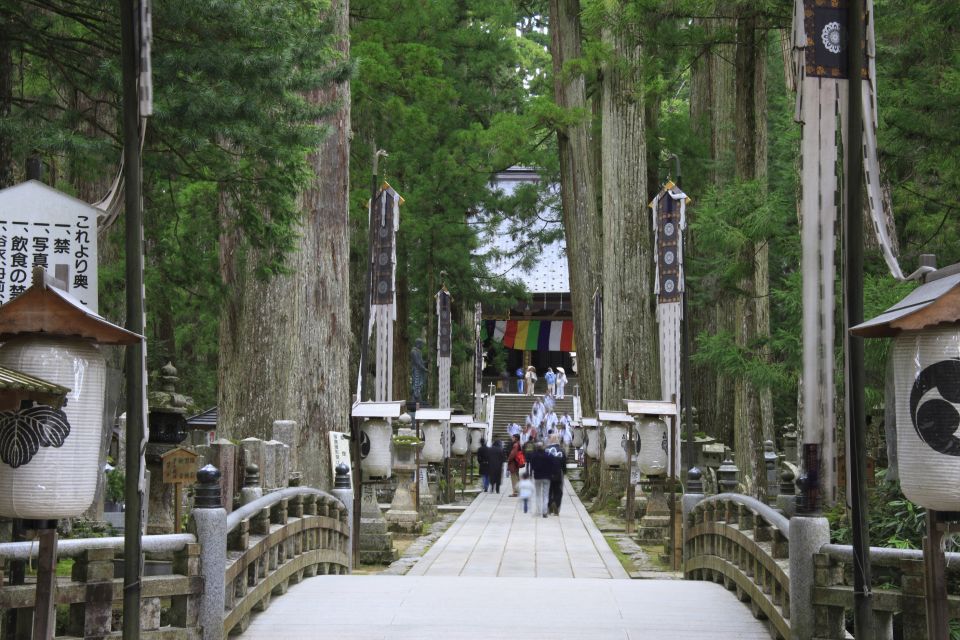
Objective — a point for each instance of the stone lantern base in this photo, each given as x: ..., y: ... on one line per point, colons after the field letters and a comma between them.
x: 376, y: 543
x: 655, y: 524
x: 402, y: 517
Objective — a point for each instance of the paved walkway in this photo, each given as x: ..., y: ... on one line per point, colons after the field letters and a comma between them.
x: 500, y: 573
x: 494, y: 538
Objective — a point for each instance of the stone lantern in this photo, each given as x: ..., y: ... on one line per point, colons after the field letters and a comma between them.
x: 578, y: 436
x: 376, y: 433
x: 434, y: 423
x: 616, y: 435
x: 925, y: 327
x: 591, y: 438
x: 50, y: 458
x: 402, y: 517
x: 459, y: 438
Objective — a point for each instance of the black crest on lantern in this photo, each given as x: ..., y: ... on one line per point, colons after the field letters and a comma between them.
x: 937, y: 419
x: 23, y: 432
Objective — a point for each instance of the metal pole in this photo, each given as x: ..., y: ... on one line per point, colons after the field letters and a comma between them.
x: 853, y: 280
x: 133, y: 526
x: 44, y: 614
x: 688, y: 451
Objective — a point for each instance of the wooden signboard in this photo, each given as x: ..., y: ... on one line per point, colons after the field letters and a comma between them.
x: 179, y: 468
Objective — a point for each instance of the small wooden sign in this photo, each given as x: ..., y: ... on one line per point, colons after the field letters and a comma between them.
x: 179, y: 466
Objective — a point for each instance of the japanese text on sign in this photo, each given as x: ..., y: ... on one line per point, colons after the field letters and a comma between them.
x: 179, y: 467
x: 41, y: 227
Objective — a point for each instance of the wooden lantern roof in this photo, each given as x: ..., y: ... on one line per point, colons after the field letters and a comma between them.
x: 937, y: 302
x: 44, y: 308
x: 16, y: 386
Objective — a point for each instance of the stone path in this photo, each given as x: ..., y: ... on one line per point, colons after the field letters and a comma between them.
x: 494, y: 538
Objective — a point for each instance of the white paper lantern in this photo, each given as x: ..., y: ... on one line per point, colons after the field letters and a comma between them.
x: 432, y: 441
x: 57, y: 481
x: 459, y: 441
x: 376, y: 439
x: 476, y: 434
x: 615, y: 440
x: 927, y: 376
x: 652, y: 446
x: 577, y: 436
x: 591, y: 439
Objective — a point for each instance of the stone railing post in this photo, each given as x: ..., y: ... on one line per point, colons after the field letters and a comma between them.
x: 343, y: 493
x: 251, y: 485
x: 807, y: 536
x: 93, y: 617
x: 209, y: 522
x: 691, y: 498
x: 770, y: 460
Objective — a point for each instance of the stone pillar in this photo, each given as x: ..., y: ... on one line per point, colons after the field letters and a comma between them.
x: 280, y: 455
x: 807, y: 536
x: 402, y: 517
x: 209, y: 524
x: 223, y: 455
x: 160, y: 513
x: 285, y: 431
x: 694, y: 493
x: 787, y: 498
x: 770, y: 460
x: 343, y: 493
x: 376, y: 543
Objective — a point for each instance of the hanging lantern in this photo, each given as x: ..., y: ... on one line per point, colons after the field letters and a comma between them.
x: 459, y: 441
x: 591, y: 438
x: 375, y: 454
x: 926, y: 362
x: 652, y: 448
x: 50, y: 458
x: 432, y: 441
x: 477, y: 431
x: 615, y: 437
x: 577, y: 436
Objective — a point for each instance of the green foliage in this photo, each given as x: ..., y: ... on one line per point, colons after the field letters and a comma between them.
x: 115, y: 487
x: 894, y: 521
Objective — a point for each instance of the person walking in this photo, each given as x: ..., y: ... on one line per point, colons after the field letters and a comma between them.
x: 561, y: 382
x: 526, y: 490
x: 530, y: 380
x: 495, y: 465
x: 483, y: 455
x: 558, y: 468
x: 542, y: 467
x: 519, y: 380
x: 513, y: 464
x: 551, y: 379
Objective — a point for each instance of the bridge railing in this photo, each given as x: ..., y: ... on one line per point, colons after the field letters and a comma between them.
x: 901, y: 574
x: 92, y: 592
x: 225, y: 569
x: 276, y: 541
x: 743, y: 544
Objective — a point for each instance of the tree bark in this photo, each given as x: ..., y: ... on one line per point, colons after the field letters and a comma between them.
x: 577, y: 189
x: 748, y: 424
x: 285, y: 342
x: 712, y: 105
x: 6, y: 102
x: 631, y: 363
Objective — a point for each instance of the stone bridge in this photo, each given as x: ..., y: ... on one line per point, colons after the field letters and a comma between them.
x: 749, y: 572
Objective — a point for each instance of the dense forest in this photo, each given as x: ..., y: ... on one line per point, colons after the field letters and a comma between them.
x: 259, y: 152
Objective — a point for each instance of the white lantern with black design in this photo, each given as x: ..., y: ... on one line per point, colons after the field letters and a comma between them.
x: 616, y: 426
x: 652, y: 446
x: 459, y: 442
x: 577, y: 436
x: 926, y: 359
x: 591, y: 438
x: 653, y: 439
x: 432, y: 441
x: 477, y: 431
x: 50, y: 458
x: 376, y: 457
x: 376, y: 436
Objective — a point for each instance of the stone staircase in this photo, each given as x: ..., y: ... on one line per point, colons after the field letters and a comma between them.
x: 512, y: 407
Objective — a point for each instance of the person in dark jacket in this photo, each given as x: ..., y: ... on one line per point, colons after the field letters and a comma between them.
x: 483, y: 454
x: 541, y: 464
x: 558, y: 467
x: 495, y: 465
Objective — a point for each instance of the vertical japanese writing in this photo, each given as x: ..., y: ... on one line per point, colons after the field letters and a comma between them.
x: 82, y: 254
x: 19, y: 280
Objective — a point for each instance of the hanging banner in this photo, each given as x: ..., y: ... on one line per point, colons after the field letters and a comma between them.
x: 533, y: 335
x: 384, y: 224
